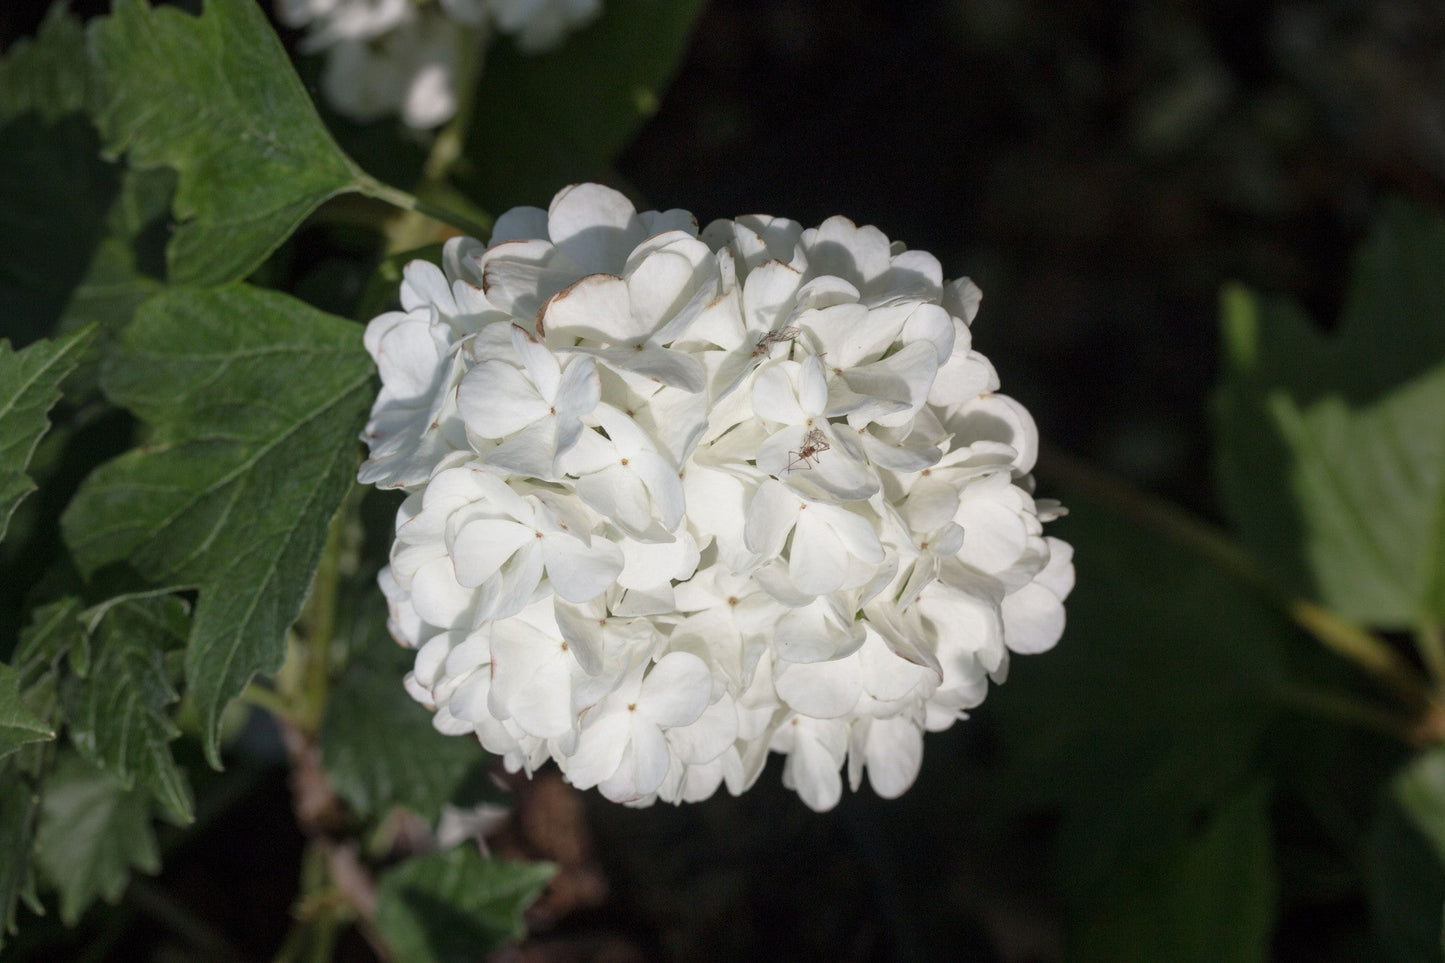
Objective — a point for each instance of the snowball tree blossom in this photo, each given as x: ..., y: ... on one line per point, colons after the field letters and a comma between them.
x: 387, y: 57
x: 680, y: 498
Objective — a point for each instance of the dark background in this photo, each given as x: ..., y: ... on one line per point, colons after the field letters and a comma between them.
x: 1100, y: 169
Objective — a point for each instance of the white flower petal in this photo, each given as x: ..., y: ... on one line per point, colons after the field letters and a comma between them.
x: 496, y: 399
x: 482, y: 546
x: 595, y: 226
x: 676, y: 690
x: 578, y: 571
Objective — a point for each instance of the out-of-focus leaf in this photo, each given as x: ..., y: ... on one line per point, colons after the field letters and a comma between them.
x: 1420, y: 792
x: 215, y: 98
x: 92, y: 833
x: 548, y: 120
x: 53, y: 633
x: 19, y: 815
x: 456, y: 906
x: 255, y: 401
x: 29, y: 386
x: 118, y: 714
x: 1148, y: 712
x: 1405, y: 884
x: 18, y: 725
x: 1211, y: 901
x: 1331, y: 452
x: 47, y: 75
x: 378, y: 745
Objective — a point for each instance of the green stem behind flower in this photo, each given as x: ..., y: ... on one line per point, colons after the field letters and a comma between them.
x: 371, y: 187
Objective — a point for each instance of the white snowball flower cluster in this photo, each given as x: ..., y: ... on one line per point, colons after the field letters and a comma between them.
x: 388, y: 57
x: 679, y: 499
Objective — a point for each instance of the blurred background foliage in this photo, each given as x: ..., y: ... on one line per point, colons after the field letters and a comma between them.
x: 1189, y: 775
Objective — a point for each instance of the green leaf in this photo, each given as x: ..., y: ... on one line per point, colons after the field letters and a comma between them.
x: 29, y: 386
x: 552, y: 119
x: 1370, y: 483
x: 215, y: 98
x: 1419, y: 790
x: 93, y: 832
x: 19, y: 816
x: 1151, y: 709
x: 1331, y: 451
x: 53, y: 633
x: 46, y: 75
x: 378, y: 745
x: 18, y: 725
x: 118, y: 713
x: 454, y: 907
x: 1212, y: 901
x: 255, y: 401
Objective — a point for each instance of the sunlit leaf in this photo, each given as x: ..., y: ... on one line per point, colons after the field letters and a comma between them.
x: 1332, y: 448
x: 215, y: 98
x: 255, y: 401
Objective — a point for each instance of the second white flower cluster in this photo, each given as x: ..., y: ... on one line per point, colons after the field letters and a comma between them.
x: 402, y: 56
x: 680, y: 498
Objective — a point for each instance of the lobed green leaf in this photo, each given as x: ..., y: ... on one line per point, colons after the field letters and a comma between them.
x: 1331, y: 450
x: 255, y: 401
x: 29, y: 385
x: 46, y: 76
x: 455, y: 906
x: 118, y: 714
x: 215, y: 98
x: 92, y: 834
x: 19, y: 816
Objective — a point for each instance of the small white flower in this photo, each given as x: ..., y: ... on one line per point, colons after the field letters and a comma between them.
x: 680, y: 499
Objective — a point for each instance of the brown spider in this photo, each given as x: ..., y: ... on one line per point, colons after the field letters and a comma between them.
x: 814, y: 444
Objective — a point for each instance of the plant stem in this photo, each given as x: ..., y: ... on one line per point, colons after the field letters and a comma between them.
x: 1336, y: 633
x: 447, y: 149
x: 268, y: 699
x: 411, y: 230
x: 1346, y: 709
x: 371, y: 187
x: 318, y: 623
